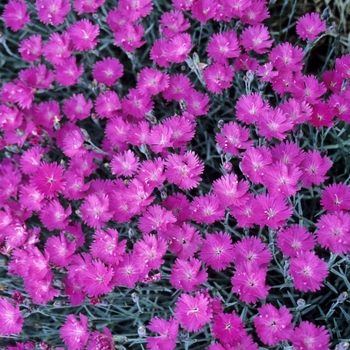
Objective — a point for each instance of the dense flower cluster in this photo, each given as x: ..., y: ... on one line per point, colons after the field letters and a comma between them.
x: 108, y: 188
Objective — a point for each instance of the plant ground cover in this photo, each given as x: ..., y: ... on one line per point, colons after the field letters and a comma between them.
x: 174, y: 174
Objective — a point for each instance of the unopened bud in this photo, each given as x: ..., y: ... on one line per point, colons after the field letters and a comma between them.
x: 221, y: 124
x: 135, y: 297
x: 301, y: 303
x: 141, y: 331
x: 342, y: 297
x: 227, y: 166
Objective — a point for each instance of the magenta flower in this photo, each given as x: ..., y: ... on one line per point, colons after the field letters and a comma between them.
x: 97, y: 279
x: 251, y: 251
x: 135, y: 9
x: 248, y: 282
x: 297, y: 111
x: 183, y: 5
x: 197, y: 103
x: 256, y: 39
x: 228, y: 328
x: 274, y: 124
x: 11, y: 321
x: 203, y: 10
x: 271, y: 211
x: 152, y: 173
x: 178, y: 47
x: 83, y: 35
x: 15, y: 16
x: 273, y: 325
x: 223, y: 46
x: 322, y: 115
x: 288, y: 153
x: 137, y: 104
x: 117, y: 130
x: 233, y: 137
x: 168, y: 331
x: 54, y: 216
x: 250, y: 107
x: 207, y: 209
x: 152, y: 81
x: 129, y: 271
x: 129, y: 36
x: 185, y: 170
x: 179, y: 205
x: 282, y: 179
x: 218, y: 77
x: 286, y: 57
x: 336, y: 197
x: 31, y: 48
x: 254, y: 13
x: 75, y: 334
x: 107, y: 104
x: 67, y: 73
x: 193, y: 312
x: 77, y: 107
x: 125, y: 164
x: 307, y: 336
x: 342, y: 66
x: 31, y: 198
x: 334, y: 232
x: 172, y: 23
x: 108, y: 71
x: 314, y: 168
x: 103, y: 341
x: 57, y: 49
x: 308, y: 271
x: 255, y: 163
x: 87, y: 6
x: 217, y: 250
x: 106, y: 246
x: 178, y: 89
x: 187, y: 275
x: 183, y: 130
x: 159, y: 52
x: 310, y: 26
x: 95, y: 210
x: 52, y: 11
x: 295, y: 239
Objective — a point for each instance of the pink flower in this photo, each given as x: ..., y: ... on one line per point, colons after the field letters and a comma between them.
x: 342, y: 66
x: 75, y: 334
x: 152, y: 173
x: 107, y: 104
x: 187, y: 275
x: 108, y: 71
x: 73, y: 144
x: 160, y: 138
x: 236, y: 7
x: 129, y: 36
x: 322, y: 115
x: 228, y: 328
x: 251, y: 251
x: 178, y: 89
x: 77, y: 107
x: 185, y: 170
x: 233, y: 137
x: 207, y: 209
x: 231, y: 191
x: 185, y: 240
x: 15, y: 16
x: 87, y: 6
x: 334, y: 232
x: 294, y: 239
x: 152, y: 81
x: 197, y: 103
x: 125, y: 164
x: 246, y: 63
x: 243, y: 213
x: 38, y: 77
x: 256, y: 39
x: 266, y: 72
x: 183, y: 130
x: 282, y: 179
x: 61, y: 250
x: 308, y: 271
x: 129, y: 271
x: 288, y: 153
x: 271, y: 211
x: 52, y: 11
x: 57, y: 49
x: 250, y: 107
x: 48, y: 179
x: 217, y: 251
x: 97, y: 279
x: 95, y: 210
x: 307, y: 336
x: 248, y: 282
x: 168, y: 331
x: 31, y: 198
x: 67, y: 73
x: 31, y: 48
x: 255, y: 163
x: 179, y: 205
x: 103, y: 341
x: 117, y: 130
x: 307, y: 88
x: 193, y: 312
x: 286, y: 57
x: 137, y: 104
x: 333, y: 80
x: 54, y: 216
x: 156, y: 218
x: 310, y: 25
x: 218, y: 77
x: 336, y: 197
x: 314, y: 168
x: 273, y: 325
x: 183, y: 5
x: 135, y: 9
x: 203, y: 10
x: 297, y: 111
x: 255, y: 12
x: 83, y: 35
x: 11, y: 321
x: 178, y: 47
x: 274, y: 124
x: 106, y: 246
x: 223, y: 46
x: 150, y: 250
x: 172, y: 23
